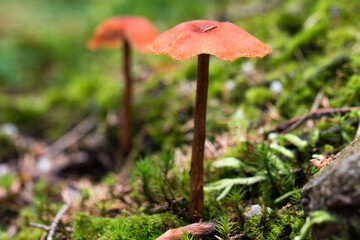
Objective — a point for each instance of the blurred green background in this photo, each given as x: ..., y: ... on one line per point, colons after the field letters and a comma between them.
x: 46, y: 71
x: 50, y: 81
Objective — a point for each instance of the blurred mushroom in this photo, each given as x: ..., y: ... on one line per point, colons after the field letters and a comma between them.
x: 319, y: 162
x: 129, y: 31
x: 201, y: 38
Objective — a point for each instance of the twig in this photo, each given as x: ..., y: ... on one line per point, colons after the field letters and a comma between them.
x: 314, y: 107
x: 56, y: 220
x: 130, y: 159
x: 282, y: 128
x: 43, y: 236
x: 166, y: 206
x: 71, y: 137
x: 129, y: 162
x: 41, y: 226
x: 317, y: 101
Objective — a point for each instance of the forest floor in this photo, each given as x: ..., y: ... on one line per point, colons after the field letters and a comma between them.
x: 62, y: 176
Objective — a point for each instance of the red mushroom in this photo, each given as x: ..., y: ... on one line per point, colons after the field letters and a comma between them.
x: 136, y: 32
x: 319, y: 162
x: 202, y: 38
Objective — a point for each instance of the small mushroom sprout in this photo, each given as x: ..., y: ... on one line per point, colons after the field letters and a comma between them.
x: 319, y: 162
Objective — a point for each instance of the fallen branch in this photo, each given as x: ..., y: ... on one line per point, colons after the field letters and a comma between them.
x: 125, y: 170
x: 314, y: 108
x: 295, y: 122
x: 56, y: 220
x: 71, y: 137
x: 130, y: 159
x: 41, y: 226
x: 166, y: 206
x: 51, y: 229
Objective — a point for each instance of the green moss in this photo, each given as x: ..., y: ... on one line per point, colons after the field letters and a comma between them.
x: 4, y: 236
x: 109, y: 180
x: 29, y: 234
x: 259, y: 96
x: 159, y: 184
x: 135, y: 227
x: 271, y: 222
x: 6, y: 180
x: 47, y: 73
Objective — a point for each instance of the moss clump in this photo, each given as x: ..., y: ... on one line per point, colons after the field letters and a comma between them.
x: 259, y: 96
x: 29, y: 234
x: 134, y: 227
x: 6, y: 180
x: 271, y: 222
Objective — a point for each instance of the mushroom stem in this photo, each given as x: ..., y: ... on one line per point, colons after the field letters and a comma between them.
x: 126, y: 111
x: 197, y: 158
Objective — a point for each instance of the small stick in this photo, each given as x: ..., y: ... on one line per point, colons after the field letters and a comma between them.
x: 43, y: 236
x: 130, y: 158
x: 166, y: 206
x: 282, y: 128
x: 129, y: 162
x: 317, y: 101
x: 209, y: 28
x: 56, y: 220
x: 314, y: 107
x: 71, y: 137
x: 41, y: 226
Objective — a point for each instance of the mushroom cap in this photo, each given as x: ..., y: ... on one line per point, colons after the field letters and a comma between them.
x: 222, y: 39
x: 138, y: 31
x: 316, y: 162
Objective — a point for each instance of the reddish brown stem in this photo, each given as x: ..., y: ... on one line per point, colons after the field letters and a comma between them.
x: 197, y: 158
x: 126, y: 111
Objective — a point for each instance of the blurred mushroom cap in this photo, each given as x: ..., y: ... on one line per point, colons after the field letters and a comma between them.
x: 138, y: 31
